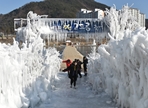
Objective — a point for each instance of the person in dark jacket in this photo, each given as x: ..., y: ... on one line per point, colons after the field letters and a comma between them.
x: 79, y: 63
x: 85, y: 61
x: 73, y: 69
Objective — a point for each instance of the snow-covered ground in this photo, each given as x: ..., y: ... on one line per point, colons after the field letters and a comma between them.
x: 82, y: 97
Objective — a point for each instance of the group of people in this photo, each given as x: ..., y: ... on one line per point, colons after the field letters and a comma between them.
x: 74, y: 69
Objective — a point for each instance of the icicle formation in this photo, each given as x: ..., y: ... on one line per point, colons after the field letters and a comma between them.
x: 119, y: 21
x: 37, y: 25
x: 121, y: 66
x: 56, y: 29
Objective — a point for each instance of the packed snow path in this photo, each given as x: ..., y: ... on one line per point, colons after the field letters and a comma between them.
x: 82, y: 97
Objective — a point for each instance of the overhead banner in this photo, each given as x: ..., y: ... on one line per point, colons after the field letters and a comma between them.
x: 77, y: 26
x: 68, y: 25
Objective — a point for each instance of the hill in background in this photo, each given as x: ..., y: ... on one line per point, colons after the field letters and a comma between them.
x: 52, y: 8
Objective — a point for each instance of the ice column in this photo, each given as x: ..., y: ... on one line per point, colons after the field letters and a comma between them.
x: 93, y: 48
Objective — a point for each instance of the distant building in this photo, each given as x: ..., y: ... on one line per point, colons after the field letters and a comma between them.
x: 140, y: 17
x: 19, y: 22
x: 97, y: 13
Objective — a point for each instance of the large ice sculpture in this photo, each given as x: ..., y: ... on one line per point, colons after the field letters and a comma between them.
x: 93, y: 48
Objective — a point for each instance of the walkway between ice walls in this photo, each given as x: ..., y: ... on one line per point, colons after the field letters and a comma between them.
x: 28, y: 70
x: 121, y: 66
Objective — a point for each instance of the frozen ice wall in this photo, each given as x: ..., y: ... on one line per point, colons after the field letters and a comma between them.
x: 38, y: 25
x: 121, y: 68
x: 27, y: 74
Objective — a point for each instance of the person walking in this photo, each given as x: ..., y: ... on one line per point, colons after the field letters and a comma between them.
x: 85, y: 61
x: 73, y: 69
x: 68, y: 62
x: 79, y: 67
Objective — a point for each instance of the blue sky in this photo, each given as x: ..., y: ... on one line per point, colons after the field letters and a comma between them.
x: 142, y: 5
x: 7, y: 6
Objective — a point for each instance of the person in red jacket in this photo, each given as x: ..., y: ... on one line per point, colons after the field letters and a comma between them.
x: 68, y: 63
